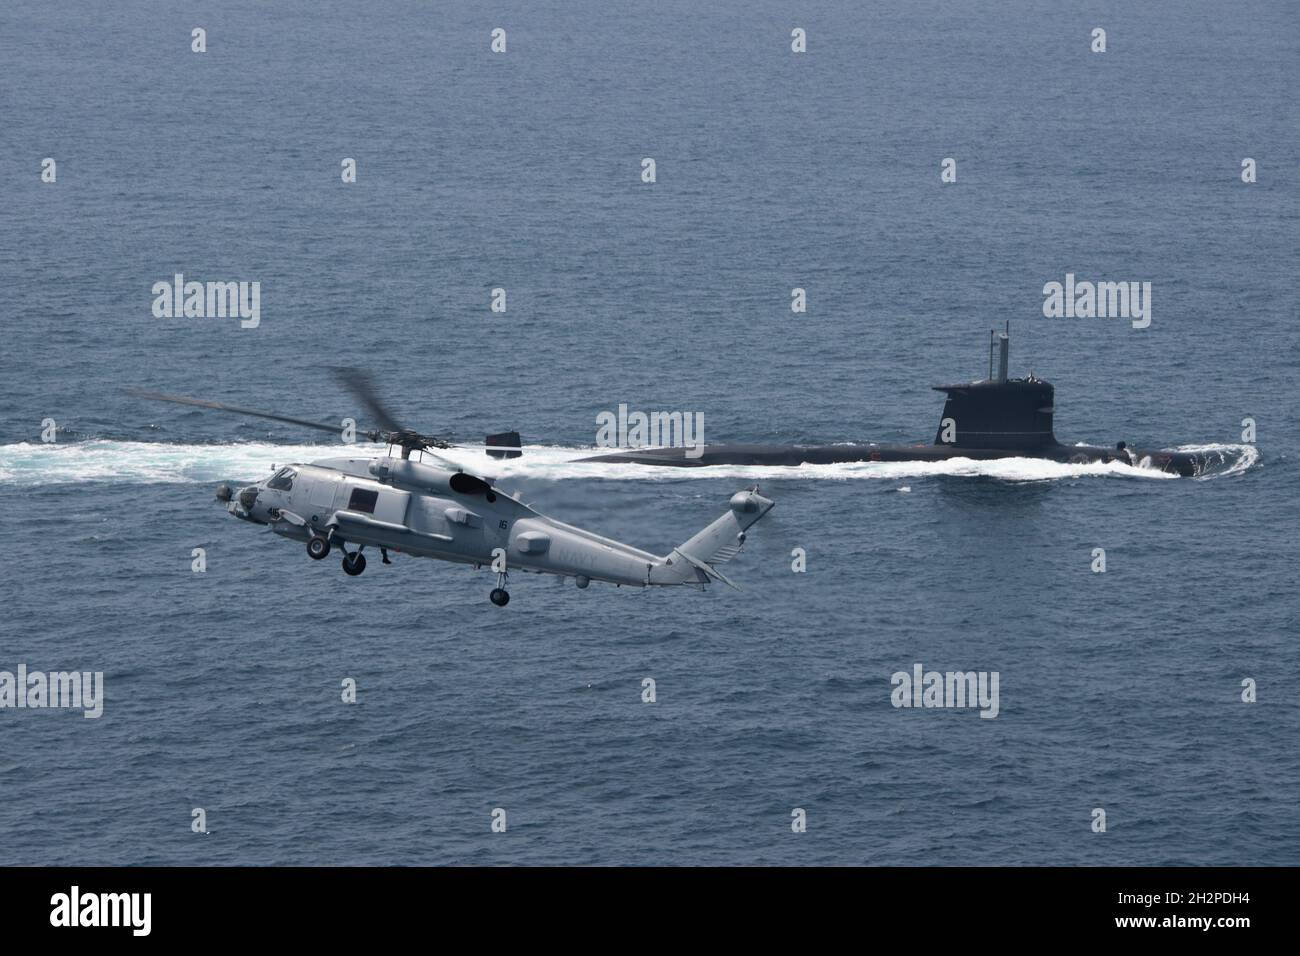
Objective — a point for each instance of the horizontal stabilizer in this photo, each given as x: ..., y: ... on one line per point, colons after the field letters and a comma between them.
x: 707, y: 568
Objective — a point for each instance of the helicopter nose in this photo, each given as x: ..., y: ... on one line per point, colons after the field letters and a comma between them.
x: 247, y: 497
x: 224, y: 493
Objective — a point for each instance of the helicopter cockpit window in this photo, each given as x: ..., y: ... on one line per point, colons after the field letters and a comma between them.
x: 282, y: 480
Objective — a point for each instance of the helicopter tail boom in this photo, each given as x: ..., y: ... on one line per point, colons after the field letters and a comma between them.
x: 694, y: 562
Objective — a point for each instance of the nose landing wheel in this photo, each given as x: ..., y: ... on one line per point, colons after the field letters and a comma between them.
x: 354, y: 563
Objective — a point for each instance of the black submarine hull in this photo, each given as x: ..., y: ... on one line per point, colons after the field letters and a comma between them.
x: 1185, y: 464
x: 997, y: 417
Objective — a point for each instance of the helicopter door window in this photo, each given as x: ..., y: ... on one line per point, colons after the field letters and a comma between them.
x: 363, y: 500
x: 282, y: 480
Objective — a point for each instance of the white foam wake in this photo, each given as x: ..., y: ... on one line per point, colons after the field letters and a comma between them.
x: 1232, y: 459
x: 27, y: 464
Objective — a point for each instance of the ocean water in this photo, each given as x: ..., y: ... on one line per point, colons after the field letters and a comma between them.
x: 521, y: 170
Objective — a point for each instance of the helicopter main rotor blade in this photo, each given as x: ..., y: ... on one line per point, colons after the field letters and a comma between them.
x: 359, y: 384
x: 222, y: 407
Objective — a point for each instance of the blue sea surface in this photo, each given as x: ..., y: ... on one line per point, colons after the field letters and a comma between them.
x: 1120, y: 691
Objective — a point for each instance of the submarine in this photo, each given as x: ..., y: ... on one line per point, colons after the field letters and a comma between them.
x: 998, y: 417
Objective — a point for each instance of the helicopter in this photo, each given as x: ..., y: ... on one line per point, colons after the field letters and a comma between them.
x: 428, y: 506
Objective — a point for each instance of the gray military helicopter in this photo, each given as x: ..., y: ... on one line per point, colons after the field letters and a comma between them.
x: 428, y: 506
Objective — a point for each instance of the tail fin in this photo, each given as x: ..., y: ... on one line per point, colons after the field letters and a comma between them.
x: 694, y: 562
x: 504, y: 445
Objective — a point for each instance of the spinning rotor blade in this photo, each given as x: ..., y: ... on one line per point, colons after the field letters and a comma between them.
x: 360, y: 386
x: 221, y: 407
x: 358, y: 383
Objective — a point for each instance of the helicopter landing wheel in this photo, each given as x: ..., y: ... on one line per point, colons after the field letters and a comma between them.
x: 500, y: 597
x: 317, y: 547
x: 354, y: 563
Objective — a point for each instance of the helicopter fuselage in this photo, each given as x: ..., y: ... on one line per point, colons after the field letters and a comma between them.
x: 405, y: 506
